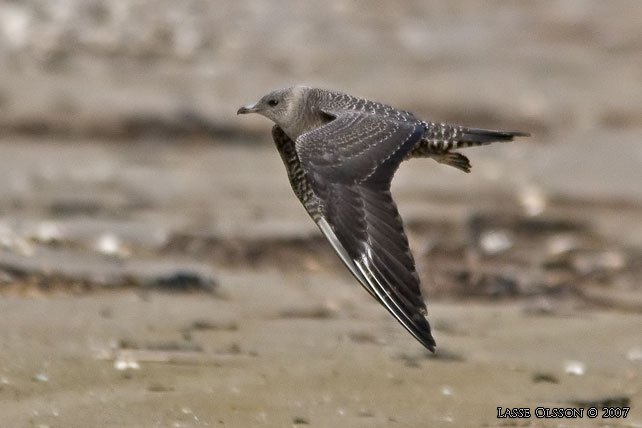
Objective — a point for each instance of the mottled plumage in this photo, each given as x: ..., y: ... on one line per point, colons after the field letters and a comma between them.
x: 341, y: 153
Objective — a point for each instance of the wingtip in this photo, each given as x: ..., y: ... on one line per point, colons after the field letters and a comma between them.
x: 423, y: 333
x: 430, y: 346
x: 429, y: 342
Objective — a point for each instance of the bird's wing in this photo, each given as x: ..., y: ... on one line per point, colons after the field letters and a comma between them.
x: 303, y: 191
x: 354, y: 146
x: 349, y: 163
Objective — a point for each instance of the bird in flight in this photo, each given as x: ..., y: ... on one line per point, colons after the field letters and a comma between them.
x: 340, y: 153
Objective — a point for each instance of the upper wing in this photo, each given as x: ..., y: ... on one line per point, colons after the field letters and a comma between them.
x: 349, y: 163
x: 354, y: 147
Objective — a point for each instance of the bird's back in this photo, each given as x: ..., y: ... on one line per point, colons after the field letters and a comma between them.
x: 331, y: 101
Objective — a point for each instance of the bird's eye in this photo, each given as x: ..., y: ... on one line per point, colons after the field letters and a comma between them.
x: 272, y: 103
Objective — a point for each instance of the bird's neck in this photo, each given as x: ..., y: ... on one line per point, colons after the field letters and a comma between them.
x: 304, y: 116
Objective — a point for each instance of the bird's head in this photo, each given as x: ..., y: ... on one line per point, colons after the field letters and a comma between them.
x: 281, y: 105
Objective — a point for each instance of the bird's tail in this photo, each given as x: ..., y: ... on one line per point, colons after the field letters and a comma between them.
x: 443, y: 136
x: 479, y: 137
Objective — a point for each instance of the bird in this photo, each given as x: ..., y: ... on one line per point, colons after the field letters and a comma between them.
x: 340, y: 153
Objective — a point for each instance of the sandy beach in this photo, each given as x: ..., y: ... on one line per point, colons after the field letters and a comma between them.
x: 157, y: 271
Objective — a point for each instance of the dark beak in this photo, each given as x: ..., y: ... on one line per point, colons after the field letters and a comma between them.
x: 247, y: 109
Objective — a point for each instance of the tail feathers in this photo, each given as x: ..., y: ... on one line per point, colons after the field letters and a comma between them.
x: 441, y: 137
x: 484, y: 136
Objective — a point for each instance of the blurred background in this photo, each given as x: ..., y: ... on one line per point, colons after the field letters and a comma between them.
x: 152, y: 254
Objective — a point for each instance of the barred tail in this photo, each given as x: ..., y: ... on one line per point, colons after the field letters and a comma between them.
x: 445, y: 137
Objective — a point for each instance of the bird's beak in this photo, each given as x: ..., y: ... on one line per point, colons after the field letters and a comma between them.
x: 247, y: 109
